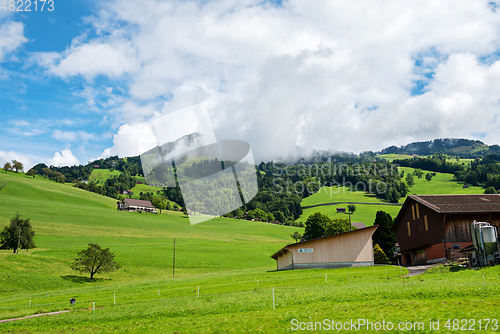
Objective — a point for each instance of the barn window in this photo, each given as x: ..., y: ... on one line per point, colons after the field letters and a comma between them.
x: 425, y: 223
x: 409, y: 229
x: 416, y: 209
x: 413, y: 211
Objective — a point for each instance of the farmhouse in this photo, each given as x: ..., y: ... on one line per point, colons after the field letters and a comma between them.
x: 433, y: 228
x: 136, y: 205
x: 346, y: 249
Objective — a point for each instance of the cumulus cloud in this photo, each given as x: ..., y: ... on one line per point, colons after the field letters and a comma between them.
x: 27, y: 160
x: 300, y: 76
x: 65, y: 158
x: 12, y: 37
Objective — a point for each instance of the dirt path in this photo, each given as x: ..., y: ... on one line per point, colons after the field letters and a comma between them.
x: 335, y: 203
x: 417, y: 270
x: 33, y: 316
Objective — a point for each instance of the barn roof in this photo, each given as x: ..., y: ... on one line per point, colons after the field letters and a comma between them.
x: 138, y: 202
x: 452, y: 204
x: 284, y: 249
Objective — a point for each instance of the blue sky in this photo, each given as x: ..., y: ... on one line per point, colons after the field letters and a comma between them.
x: 84, y: 80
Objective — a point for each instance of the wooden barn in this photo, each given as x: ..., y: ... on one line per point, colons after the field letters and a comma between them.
x: 433, y: 228
x: 352, y: 248
x: 131, y: 204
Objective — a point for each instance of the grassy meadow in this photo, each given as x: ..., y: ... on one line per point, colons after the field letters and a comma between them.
x: 441, y: 184
x: 224, y: 276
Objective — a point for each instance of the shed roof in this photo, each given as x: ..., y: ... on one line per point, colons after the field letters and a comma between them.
x: 452, y: 204
x: 284, y: 249
x: 358, y: 225
x: 138, y: 202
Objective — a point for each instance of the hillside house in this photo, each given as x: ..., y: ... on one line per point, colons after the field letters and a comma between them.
x: 130, y: 204
x: 347, y: 249
x: 340, y: 210
x: 433, y: 228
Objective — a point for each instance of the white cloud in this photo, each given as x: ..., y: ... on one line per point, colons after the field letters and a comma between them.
x: 12, y: 37
x: 27, y: 160
x: 315, y: 74
x: 65, y: 158
x: 64, y: 135
x: 67, y: 136
x: 131, y: 140
x: 92, y: 59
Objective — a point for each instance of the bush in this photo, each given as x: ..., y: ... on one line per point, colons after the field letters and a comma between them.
x: 379, y: 255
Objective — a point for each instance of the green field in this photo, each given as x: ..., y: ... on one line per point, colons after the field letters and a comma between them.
x: 440, y: 184
x: 392, y: 156
x: 100, y: 176
x: 229, y: 260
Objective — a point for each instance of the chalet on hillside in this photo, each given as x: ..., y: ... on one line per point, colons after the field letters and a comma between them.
x: 347, y: 249
x: 433, y: 228
x: 130, y: 204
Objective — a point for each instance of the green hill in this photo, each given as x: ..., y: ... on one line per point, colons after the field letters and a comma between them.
x: 66, y: 219
x: 441, y: 183
x: 225, y: 279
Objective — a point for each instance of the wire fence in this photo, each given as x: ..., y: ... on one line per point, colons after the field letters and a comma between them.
x: 308, y: 282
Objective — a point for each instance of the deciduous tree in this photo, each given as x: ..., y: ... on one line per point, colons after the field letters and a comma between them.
x: 7, y: 167
x: 95, y: 260
x: 296, y: 236
x: 18, y: 166
x: 337, y: 225
x: 19, y: 234
x: 31, y: 172
x: 316, y: 225
x: 409, y: 180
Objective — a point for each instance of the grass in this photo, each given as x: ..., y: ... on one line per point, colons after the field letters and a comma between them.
x: 441, y: 184
x: 241, y: 302
x: 101, y: 175
x: 392, y: 156
x: 228, y: 259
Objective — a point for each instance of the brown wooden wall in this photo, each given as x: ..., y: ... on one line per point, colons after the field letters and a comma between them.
x: 457, y: 228
x: 450, y: 227
x: 419, y: 236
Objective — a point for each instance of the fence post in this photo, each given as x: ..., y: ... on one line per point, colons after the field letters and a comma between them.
x: 326, y: 278
x: 198, y: 293
x: 114, y: 298
x: 158, y: 292
x: 273, y: 299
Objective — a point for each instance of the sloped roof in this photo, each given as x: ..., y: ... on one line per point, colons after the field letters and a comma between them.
x: 138, y: 202
x: 460, y: 203
x: 284, y: 249
x: 358, y: 225
x: 453, y: 204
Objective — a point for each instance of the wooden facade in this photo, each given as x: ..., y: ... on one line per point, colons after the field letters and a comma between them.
x: 433, y: 228
x: 352, y: 248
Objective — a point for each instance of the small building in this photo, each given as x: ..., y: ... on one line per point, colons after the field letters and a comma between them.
x: 358, y: 225
x: 347, y: 249
x: 131, y: 204
x: 434, y: 228
x: 340, y: 210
